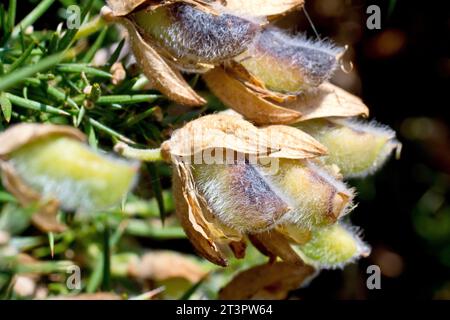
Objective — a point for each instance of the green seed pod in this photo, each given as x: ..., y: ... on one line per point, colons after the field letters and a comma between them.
x: 289, y: 64
x: 193, y: 36
x: 315, y: 196
x: 239, y: 196
x: 357, y: 148
x: 65, y: 169
x: 333, y: 247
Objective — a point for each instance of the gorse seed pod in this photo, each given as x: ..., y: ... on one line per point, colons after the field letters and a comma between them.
x: 357, y: 148
x: 289, y: 64
x: 193, y: 36
x: 66, y: 170
x: 239, y: 196
x: 315, y: 197
x: 251, y: 198
x: 333, y: 247
x: 221, y: 199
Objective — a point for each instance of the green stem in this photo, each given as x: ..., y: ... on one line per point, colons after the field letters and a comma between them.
x: 146, y: 155
x: 34, y: 105
x: 11, y: 79
x: 109, y: 131
x: 32, y: 16
x: 90, y: 28
x: 55, y: 93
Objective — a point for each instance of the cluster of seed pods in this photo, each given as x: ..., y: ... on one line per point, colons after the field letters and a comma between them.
x: 279, y: 82
x: 272, y: 171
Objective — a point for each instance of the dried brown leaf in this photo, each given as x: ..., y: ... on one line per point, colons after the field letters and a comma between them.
x: 163, y: 265
x: 268, y: 281
x: 161, y: 75
x: 236, y: 95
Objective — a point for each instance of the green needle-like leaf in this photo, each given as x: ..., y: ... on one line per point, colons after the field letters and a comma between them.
x: 11, y: 79
x: 32, y: 17
x: 34, y: 105
x: 78, y: 68
x: 6, y: 107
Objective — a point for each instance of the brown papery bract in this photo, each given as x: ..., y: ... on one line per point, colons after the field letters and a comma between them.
x: 252, y: 8
x: 268, y: 281
x: 327, y: 100
x: 274, y: 244
x: 271, y: 9
x: 163, y: 265
x: 222, y: 131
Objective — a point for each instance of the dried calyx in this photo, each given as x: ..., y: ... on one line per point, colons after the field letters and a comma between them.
x: 264, y: 107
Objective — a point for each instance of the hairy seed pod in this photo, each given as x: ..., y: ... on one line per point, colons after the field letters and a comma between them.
x: 193, y: 36
x: 315, y: 196
x: 357, y: 148
x: 239, y: 196
x: 67, y: 170
x: 333, y: 247
x: 289, y: 64
x: 250, y: 198
x: 220, y: 193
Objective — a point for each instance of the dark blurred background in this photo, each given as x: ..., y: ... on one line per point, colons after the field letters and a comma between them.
x: 401, y: 72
